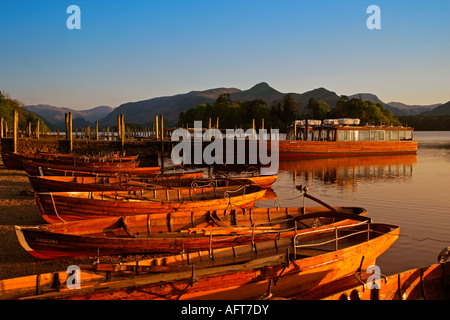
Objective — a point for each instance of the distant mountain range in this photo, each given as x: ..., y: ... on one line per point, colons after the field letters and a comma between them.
x: 144, y: 112
x: 440, y: 110
x: 55, y: 116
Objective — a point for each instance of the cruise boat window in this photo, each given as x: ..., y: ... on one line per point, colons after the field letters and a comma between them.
x: 409, y: 135
x: 316, y: 135
x: 331, y: 135
x: 364, y: 135
x: 402, y: 135
x: 394, y: 135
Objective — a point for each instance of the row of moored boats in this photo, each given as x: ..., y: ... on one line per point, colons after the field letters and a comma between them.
x: 211, y: 240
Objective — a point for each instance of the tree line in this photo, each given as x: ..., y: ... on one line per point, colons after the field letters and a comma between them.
x: 7, y: 107
x: 283, y: 112
x: 427, y: 123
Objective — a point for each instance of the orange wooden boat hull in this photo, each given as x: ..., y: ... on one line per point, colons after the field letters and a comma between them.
x: 110, y: 183
x: 299, y: 149
x: 277, y: 274
x: 69, y: 206
x: 32, y: 167
x: 164, y: 176
x: 263, y: 181
x: 113, y: 157
x: 425, y: 283
x: 151, y: 234
x: 13, y: 161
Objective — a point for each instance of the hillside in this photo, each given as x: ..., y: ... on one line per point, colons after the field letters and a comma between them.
x: 371, y: 97
x: 329, y: 97
x: 144, y: 112
x: 442, y: 110
x: 56, y: 115
x: 413, y: 109
x: 260, y: 91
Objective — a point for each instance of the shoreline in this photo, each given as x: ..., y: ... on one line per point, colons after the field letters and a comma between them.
x: 18, y: 207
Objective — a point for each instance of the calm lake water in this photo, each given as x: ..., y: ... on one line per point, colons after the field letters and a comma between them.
x: 410, y: 191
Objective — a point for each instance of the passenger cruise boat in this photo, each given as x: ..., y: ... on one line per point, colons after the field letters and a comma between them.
x: 344, y: 137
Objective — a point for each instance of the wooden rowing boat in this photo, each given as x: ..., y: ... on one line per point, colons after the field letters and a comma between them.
x: 109, y: 183
x: 168, y: 174
x: 251, y: 173
x: 32, y: 167
x: 282, y: 267
x: 177, y: 232
x: 13, y: 161
x: 265, y: 181
x: 67, y: 206
x: 113, y: 156
x: 425, y: 283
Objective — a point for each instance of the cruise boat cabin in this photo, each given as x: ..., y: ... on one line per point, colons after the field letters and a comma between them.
x: 345, y: 129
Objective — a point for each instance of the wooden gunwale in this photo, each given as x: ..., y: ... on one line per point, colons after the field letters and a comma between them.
x: 108, y: 183
x: 14, y: 160
x: 163, y: 176
x: 32, y: 167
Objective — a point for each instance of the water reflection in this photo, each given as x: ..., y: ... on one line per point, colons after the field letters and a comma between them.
x: 346, y: 173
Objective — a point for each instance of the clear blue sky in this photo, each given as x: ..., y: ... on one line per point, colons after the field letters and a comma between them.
x: 134, y: 50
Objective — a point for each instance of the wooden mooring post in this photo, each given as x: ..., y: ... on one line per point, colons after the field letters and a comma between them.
x: 37, y: 128
x: 70, y: 132
x: 122, y: 127
x: 162, y: 144
x: 119, y: 126
x: 253, y: 129
x: 66, y: 124
x: 15, y: 129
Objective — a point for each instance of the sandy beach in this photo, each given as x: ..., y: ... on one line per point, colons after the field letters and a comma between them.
x: 18, y: 207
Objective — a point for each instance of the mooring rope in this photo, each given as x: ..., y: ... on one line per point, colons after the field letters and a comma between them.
x: 416, y: 239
